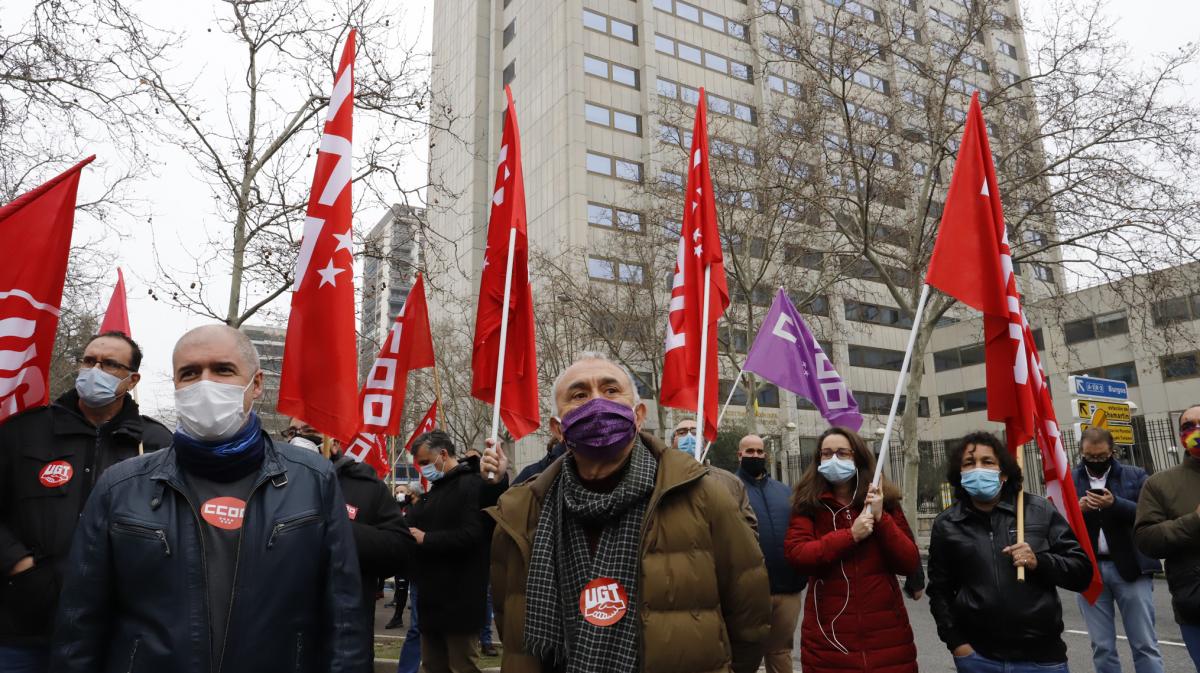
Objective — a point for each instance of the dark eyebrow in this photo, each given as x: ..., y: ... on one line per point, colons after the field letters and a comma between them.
x: 610, y: 380
x: 577, y: 385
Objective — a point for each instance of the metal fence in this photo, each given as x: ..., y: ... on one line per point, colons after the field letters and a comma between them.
x: 1154, y: 449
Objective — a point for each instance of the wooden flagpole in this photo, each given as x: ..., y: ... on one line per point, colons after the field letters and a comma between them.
x: 1021, y: 509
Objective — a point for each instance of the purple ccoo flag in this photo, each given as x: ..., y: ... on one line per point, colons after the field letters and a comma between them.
x: 786, y: 354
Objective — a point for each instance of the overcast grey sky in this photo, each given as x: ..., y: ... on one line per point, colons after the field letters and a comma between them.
x: 182, y: 205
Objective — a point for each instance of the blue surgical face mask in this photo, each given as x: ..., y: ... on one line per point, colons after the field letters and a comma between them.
x: 837, y: 470
x: 687, y: 444
x: 431, y: 472
x: 96, y: 387
x: 981, y: 483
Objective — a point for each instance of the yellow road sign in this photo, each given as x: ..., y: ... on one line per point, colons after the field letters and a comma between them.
x: 1114, y: 412
x: 1122, y: 434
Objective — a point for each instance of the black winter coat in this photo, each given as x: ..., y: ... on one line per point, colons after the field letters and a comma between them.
x: 973, y: 590
x: 772, y: 504
x: 40, y: 448
x: 135, y: 597
x: 450, y: 567
x: 380, y: 533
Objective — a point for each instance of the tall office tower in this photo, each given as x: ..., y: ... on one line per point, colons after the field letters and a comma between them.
x: 389, y: 258
x: 833, y: 127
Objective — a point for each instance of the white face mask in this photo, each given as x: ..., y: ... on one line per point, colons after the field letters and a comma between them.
x: 212, y: 411
x: 304, y: 443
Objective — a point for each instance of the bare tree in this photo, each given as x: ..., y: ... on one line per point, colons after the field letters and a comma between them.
x: 1092, y: 153
x: 254, y: 153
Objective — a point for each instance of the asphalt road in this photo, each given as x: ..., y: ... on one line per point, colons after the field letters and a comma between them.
x: 933, y: 657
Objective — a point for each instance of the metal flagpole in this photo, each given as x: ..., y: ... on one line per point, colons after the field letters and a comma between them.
x: 703, y: 359
x: 508, y: 271
x: 891, y: 422
x: 721, y: 416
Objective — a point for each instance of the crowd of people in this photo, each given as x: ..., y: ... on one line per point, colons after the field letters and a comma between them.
x: 125, y: 546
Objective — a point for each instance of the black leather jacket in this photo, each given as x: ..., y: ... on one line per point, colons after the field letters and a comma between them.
x: 973, y: 590
x: 135, y: 596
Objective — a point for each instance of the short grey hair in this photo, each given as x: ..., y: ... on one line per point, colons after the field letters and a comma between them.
x: 596, y: 355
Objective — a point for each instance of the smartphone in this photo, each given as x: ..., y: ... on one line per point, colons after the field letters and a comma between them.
x: 1096, y: 491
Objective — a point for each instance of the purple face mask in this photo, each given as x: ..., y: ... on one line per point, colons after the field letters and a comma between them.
x: 599, y: 428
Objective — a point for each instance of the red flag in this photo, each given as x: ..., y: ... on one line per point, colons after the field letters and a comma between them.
x: 428, y: 424
x: 36, y: 228
x: 972, y: 261
x: 409, y: 346
x: 370, y: 448
x: 699, y: 249
x: 519, y: 393
x: 116, y: 318
x: 319, y: 380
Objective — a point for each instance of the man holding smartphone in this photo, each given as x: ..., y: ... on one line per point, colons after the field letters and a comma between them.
x: 1110, y: 493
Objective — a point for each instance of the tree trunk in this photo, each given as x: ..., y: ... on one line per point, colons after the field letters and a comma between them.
x: 910, y: 479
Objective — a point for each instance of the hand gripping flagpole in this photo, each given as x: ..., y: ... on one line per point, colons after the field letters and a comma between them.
x: 703, y: 361
x: 891, y: 422
x: 508, y: 271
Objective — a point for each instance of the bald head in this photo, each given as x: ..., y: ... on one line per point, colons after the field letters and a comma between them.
x: 220, y: 354
x: 228, y: 339
x: 751, y: 446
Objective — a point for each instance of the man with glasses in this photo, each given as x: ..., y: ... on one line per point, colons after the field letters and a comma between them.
x: 1109, y: 491
x: 684, y: 439
x: 1168, y: 527
x: 50, y: 458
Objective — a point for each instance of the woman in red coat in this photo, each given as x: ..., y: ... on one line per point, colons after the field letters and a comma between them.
x: 852, y: 540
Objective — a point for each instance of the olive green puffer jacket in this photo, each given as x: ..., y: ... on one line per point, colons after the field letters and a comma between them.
x: 705, y: 603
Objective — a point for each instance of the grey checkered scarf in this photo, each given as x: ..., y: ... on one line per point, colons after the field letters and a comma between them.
x: 561, y: 565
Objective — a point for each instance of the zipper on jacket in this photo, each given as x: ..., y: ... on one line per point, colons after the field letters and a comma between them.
x: 133, y: 654
x: 237, y: 561
x: 145, y: 531
x: 203, y: 559
x: 290, y: 523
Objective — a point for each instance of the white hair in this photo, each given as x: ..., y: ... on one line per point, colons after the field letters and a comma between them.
x: 596, y: 355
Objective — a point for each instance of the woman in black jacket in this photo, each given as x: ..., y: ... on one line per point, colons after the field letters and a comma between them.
x: 985, y: 617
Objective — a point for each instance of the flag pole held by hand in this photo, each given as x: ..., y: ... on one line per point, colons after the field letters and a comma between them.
x: 508, y: 272
x: 886, y: 442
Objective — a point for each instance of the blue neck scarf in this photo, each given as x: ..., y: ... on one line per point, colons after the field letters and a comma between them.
x: 223, y: 460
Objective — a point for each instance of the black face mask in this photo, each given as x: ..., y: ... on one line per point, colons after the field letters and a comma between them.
x: 1098, y: 468
x: 754, y: 467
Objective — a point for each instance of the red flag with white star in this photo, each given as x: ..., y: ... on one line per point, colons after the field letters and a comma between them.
x: 319, y: 381
x: 519, y: 387
x: 428, y: 424
x: 699, y: 249
x: 972, y: 262
x: 116, y: 318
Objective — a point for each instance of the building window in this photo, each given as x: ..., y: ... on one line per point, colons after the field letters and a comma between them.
x: 598, y: 67
x: 954, y: 358
x: 609, y: 26
x: 510, y: 72
x: 1043, y: 272
x: 964, y: 402
x: 1096, y: 327
x: 875, y: 314
x: 710, y: 20
x: 856, y: 8
x: 702, y: 57
x: 1125, y: 371
x: 1176, y: 309
x: 1180, y: 366
x: 610, y: 217
x: 815, y: 305
x: 880, y: 404
x: 614, y: 167
x: 510, y: 31
x: 612, y: 118
x: 615, y: 270
x: 716, y: 104
x: 1006, y: 48
x: 768, y: 395
x: 876, y: 358
x: 739, y: 395
x: 785, y: 86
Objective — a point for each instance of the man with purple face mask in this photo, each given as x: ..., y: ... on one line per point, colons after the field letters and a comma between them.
x: 623, y: 555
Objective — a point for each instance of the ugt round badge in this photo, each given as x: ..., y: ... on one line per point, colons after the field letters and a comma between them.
x: 603, y: 602
x: 55, y: 474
